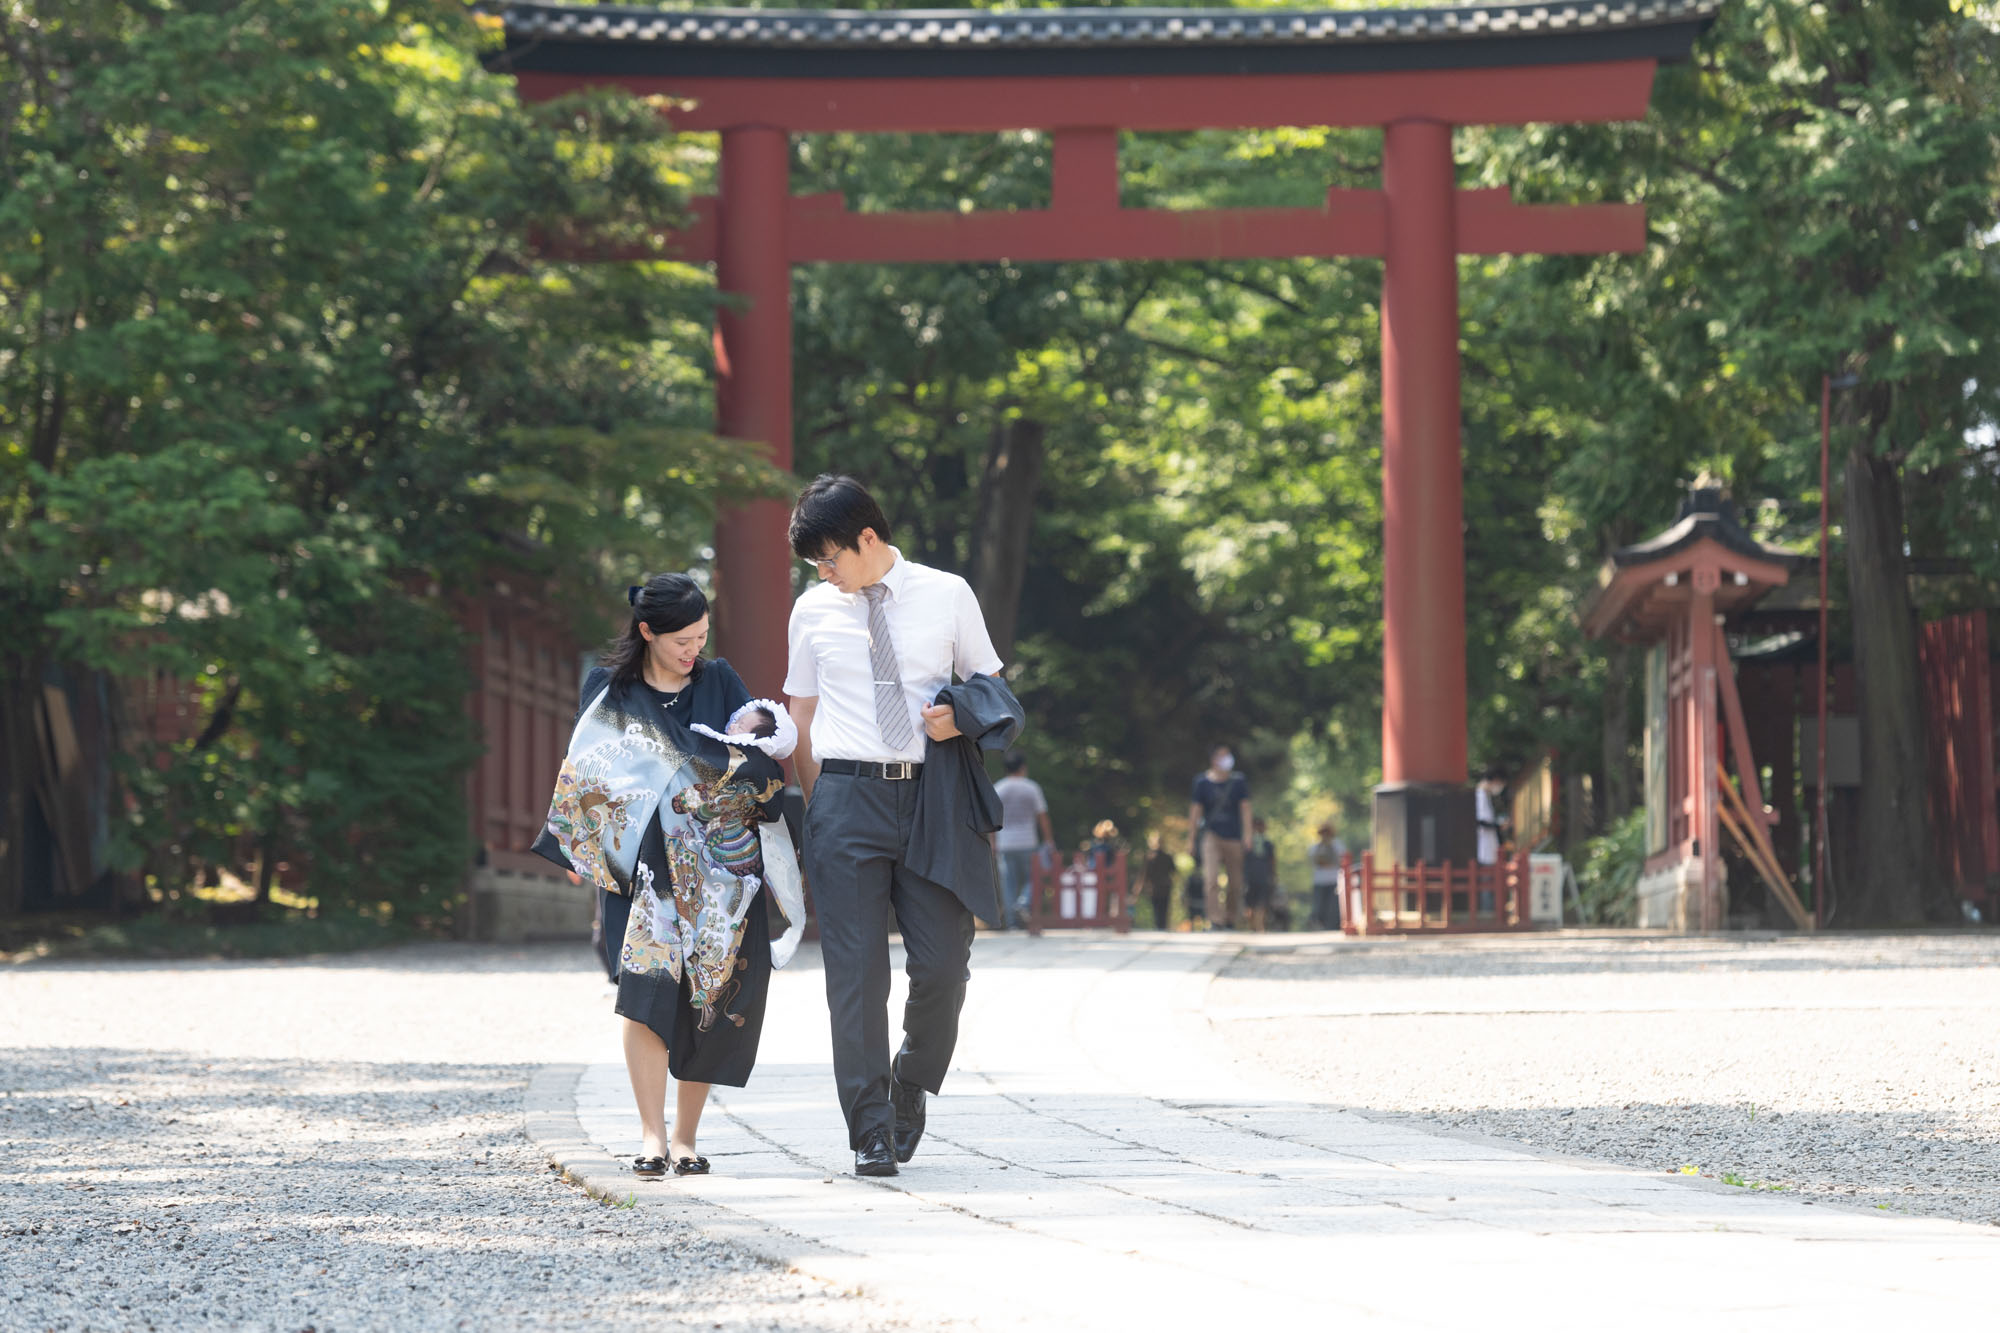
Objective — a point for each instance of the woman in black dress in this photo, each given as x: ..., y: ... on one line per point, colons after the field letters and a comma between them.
x: 662, y: 811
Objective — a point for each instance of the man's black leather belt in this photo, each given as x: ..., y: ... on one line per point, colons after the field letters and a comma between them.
x: 898, y: 771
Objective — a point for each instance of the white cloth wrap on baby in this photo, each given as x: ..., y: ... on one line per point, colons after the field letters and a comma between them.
x: 779, y: 745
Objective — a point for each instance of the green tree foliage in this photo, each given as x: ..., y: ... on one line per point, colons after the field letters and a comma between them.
x: 1608, y: 883
x: 1821, y: 184
x: 1820, y: 190
x: 276, y: 359
x: 1199, y: 563
x: 284, y: 383
x: 1202, y: 562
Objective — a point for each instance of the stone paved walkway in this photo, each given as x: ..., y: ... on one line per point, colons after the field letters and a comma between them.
x: 1097, y: 1161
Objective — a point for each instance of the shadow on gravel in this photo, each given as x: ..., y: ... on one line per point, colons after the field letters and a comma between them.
x: 425, y: 956
x: 148, y: 1115
x: 150, y: 1190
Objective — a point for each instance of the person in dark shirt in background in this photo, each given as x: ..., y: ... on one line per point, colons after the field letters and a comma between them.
x: 1260, y: 877
x: 1193, y: 895
x: 1156, y: 877
x: 1221, y: 810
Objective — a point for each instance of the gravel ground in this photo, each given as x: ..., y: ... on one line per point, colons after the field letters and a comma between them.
x: 1862, y: 1068
x: 332, y: 1144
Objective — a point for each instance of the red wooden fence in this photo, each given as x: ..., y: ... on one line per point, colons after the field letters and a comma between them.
x: 1958, y: 720
x: 1442, y: 899
x: 525, y: 665
x: 1090, y: 891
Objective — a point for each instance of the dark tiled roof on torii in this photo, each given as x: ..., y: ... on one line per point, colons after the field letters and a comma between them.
x: 835, y: 43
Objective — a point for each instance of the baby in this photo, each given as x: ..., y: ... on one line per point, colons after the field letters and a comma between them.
x: 761, y: 724
x: 754, y: 721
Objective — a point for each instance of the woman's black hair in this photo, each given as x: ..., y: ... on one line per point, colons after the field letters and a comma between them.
x: 666, y: 603
x: 831, y: 514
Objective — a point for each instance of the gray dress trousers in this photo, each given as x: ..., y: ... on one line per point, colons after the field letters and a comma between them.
x: 856, y: 829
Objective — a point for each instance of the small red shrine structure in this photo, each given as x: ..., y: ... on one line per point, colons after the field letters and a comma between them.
x: 760, y: 76
x: 1671, y: 593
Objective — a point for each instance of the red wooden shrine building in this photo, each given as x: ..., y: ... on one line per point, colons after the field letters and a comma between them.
x: 1736, y: 806
x: 1673, y: 593
x: 758, y: 77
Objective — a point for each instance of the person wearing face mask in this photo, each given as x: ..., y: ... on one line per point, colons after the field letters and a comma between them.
x: 1220, y: 816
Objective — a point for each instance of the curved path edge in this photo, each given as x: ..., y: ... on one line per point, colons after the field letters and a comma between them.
x: 550, y: 1120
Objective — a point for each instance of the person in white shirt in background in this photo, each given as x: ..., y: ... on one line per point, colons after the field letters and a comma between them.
x: 1327, y: 881
x: 1486, y: 812
x: 1025, y: 831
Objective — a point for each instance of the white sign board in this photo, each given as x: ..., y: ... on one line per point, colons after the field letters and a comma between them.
x: 1545, y: 889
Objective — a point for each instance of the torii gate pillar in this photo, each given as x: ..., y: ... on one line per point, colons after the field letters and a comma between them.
x: 1423, y: 810
x: 753, y: 397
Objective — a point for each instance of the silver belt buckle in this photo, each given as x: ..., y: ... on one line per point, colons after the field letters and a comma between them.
x: 898, y: 771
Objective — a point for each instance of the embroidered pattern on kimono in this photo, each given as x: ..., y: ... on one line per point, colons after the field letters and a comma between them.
x: 597, y: 820
x: 628, y: 776
x: 728, y: 817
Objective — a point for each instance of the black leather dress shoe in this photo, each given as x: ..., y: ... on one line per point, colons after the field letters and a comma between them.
x: 908, y: 1099
x: 875, y: 1157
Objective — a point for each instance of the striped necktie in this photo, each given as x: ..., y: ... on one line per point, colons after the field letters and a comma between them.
x: 892, y: 713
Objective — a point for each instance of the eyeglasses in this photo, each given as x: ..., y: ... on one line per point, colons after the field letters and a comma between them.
x: 823, y: 566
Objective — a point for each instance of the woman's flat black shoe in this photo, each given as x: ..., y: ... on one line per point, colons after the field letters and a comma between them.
x: 650, y: 1167
x: 690, y: 1166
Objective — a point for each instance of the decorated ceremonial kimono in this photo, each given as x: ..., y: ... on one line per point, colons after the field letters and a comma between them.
x: 676, y: 828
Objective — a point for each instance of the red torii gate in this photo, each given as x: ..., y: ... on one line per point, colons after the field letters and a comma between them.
x: 759, y: 76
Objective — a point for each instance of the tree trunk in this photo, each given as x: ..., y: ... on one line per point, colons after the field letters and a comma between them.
x: 1617, y: 734
x: 267, y: 865
x: 1006, y: 519
x: 1894, y: 881
x: 18, y: 752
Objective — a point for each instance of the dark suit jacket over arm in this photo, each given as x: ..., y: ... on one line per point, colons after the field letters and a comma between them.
x: 957, y: 808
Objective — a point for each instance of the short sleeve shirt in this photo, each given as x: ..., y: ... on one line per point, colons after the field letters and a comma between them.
x: 1021, y: 800
x: 1221, y: 803
x: 1325, y: 857
x: 937, y: 629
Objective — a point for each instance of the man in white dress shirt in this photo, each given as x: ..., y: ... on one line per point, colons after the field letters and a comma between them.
x: 870, y: 647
